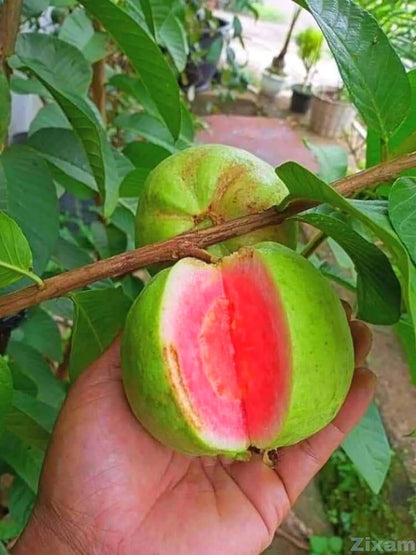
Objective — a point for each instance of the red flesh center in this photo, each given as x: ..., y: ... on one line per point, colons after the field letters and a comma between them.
x: 230, y: 335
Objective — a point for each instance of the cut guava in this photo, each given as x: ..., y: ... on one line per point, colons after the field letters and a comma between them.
x: 252, y: 351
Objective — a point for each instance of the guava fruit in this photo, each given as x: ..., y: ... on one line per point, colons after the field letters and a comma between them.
x: 253, y: 351
x: 206, y: 185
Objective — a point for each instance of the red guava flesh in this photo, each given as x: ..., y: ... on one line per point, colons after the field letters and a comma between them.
x: 229, y: 351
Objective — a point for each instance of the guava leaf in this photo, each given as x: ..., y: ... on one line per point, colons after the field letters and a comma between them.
x: 403, y: 139
x: 31, y: 363
x: 62, y: 148
x: 40, y: 331
x: 370, y: 67
x: 378, y: 291
x: 402, y: 212
x: 332, y: 161
x: 22, y: 457
x: 59, y: 64
x: 146, y: 58
x: 24, y: 175
x: 21, y: 500
x: 15, y: 254
x: 80, y: 114
x: 368, y: 448
x: 6, y: 390
x: 100, y: 315
x: 303, y: 184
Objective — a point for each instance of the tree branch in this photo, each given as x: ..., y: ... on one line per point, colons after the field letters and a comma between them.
x: 9, y: 26
x: 375, y: 175
x: 188, y: 244
x: 98, y: 91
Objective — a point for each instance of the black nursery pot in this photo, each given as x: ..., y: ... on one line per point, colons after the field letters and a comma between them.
x: 301, y: 99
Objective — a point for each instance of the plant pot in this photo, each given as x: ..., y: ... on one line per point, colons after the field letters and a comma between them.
x: 272, y: 83
x: 201, y: 74
x: 301, y: 99
x: 330, y: 117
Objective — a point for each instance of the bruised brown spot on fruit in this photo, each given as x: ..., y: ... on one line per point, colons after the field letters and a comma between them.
x: 226, y: 178
x: 171, y: 357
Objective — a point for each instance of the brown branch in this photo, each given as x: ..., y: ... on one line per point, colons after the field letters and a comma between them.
x: 9, y: 27
x: 98, y: 91
x: 375, y: 175
x: 188, y: 244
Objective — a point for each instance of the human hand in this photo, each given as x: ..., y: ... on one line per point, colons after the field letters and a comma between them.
x: 109, y: 487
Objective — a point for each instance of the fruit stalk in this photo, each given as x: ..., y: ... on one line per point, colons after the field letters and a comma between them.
x: 189, y: 244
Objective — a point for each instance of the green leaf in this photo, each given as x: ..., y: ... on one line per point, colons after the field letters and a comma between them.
x: 44, y: 415
x: 32, y: 365
x: 332, y: 161
x: 99, y: 317
x: 378, y: 291
x: 132, y: 185
x: 406, y: 334
x: 15, y: 254
x: 69, y: 256
x: 55, y: 62
x: 5, y: 105
x: 303, y: 184
x: 26, y: 429
x: 6, y: 389
x: 133, y: 86
x: 145, y: 155
x: 402, y: 212
x: 369, y: 65
x: 28, y: 195
x: 62, y: 148
x: 50, y: 116
x: 24, y: 459
x: 145, y: 57
x: 23, y: 85
x: 173, y: 35
x: 21, y: 500
x: 9, y: 529
x: 403, y: 140
x: 41, y: 332
x: 79, y: 31
x: 84, y: 120
x: 151, y: 129
x: 368, y: 448
x: 32, y: 8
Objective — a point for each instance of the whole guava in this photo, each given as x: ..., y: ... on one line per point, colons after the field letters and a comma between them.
x: 206, y: 185
x: 253, y: 351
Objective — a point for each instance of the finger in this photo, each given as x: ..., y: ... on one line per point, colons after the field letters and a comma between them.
x: 362, y: 340
x: 299, y: 463
x: 347, y: 307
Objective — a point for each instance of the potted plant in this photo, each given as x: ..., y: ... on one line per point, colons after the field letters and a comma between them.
x: 309, y: 43
x: 274, y: 77
x: 331, y: 111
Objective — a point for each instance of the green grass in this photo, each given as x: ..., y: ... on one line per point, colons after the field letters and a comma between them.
x: 355, y: 511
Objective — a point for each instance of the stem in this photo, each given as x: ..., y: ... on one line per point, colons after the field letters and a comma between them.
x: 278, y: 63
x: 375, y: 175
x: 313, y: 244
x: 191, y: 243
x: 98, y: 91
x: 26, y: 273
x: 9, y: 27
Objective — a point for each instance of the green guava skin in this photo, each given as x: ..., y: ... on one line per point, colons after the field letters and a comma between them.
x: 322, y: 356
x: 206, y: 185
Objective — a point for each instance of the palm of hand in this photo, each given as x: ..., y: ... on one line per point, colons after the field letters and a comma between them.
x: 112, y: 488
